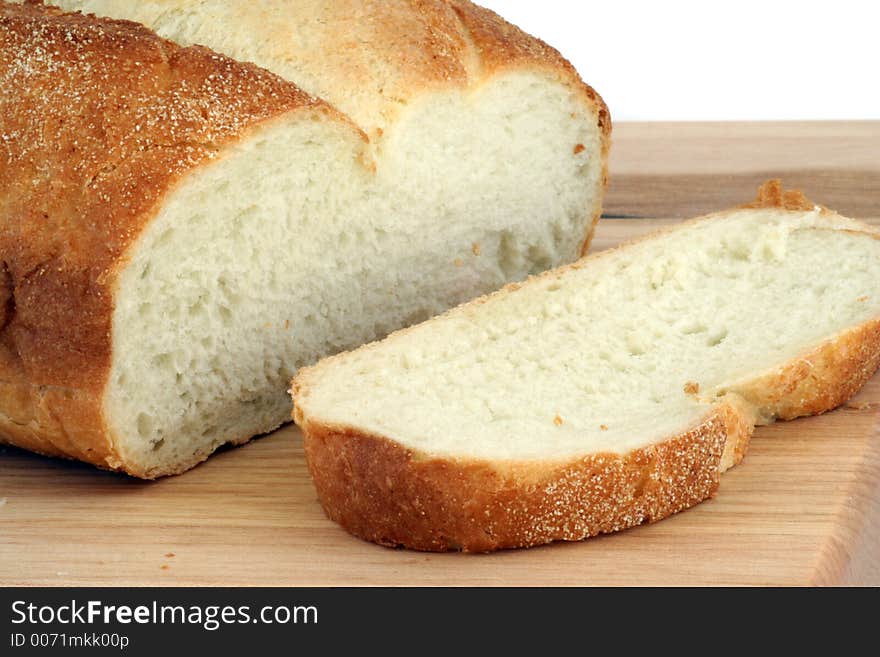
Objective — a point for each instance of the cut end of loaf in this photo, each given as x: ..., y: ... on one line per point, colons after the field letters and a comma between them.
x: 632, y: 347
x: 286, y: 249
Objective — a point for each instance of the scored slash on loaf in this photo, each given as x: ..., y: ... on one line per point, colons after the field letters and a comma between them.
x: 605, y: 394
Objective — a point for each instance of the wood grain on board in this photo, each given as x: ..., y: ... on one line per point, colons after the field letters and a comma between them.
x: 803, y: 508
x: 687, y: 169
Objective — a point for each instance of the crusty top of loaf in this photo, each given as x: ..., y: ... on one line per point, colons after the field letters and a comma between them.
x: 369, y: 58
x: 501, y: 45
x: 98, y: 118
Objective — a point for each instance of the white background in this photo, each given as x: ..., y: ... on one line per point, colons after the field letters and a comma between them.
x: 737, y: 60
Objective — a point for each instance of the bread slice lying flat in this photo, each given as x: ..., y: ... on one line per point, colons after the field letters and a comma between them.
x: 601, y: 395
x: 180, y: 229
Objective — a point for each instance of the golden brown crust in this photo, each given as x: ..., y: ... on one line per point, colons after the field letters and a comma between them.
x: 403, y: 47
x: 739, y: 420
x: 502, y: 46
x: 817, y: 381
x: 104, y: 118
x: 385, y: 493
x: 773, y: 195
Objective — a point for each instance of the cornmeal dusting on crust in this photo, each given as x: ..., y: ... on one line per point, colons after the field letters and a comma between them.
x: 112, y: 90
x: 390, y: 495
x: 691, y: 388
x: 106, y: 117
x: 820, y: 380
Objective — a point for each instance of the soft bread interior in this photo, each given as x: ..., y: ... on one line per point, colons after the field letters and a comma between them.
x: 624, y: 350
x: 301, y: 241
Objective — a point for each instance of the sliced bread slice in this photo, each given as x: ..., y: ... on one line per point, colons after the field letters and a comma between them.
x: 601, y: 395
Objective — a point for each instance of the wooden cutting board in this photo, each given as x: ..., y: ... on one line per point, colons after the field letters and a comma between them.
x: 803, y: 508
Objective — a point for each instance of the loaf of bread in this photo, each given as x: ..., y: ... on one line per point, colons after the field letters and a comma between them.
x: 182, y: 230
x: 601, y: 395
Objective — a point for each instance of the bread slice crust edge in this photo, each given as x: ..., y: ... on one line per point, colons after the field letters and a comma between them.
x: 383, y: 492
